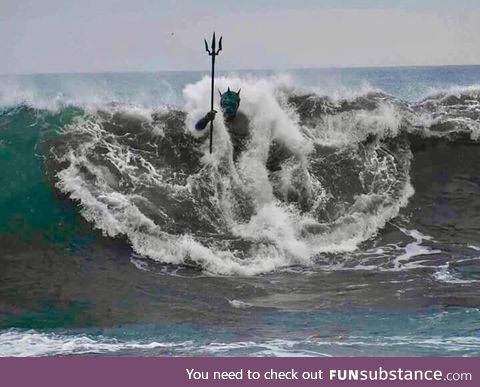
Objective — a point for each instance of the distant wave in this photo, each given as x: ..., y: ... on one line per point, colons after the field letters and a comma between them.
x: 21, y: 343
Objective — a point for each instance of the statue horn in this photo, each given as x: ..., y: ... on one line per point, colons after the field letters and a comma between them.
x: 238, y: 92
x: 219, y: 92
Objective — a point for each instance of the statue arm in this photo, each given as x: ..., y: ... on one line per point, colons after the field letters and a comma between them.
x: 203, y: 122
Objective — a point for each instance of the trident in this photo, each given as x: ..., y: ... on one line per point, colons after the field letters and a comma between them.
x: 213, y: 53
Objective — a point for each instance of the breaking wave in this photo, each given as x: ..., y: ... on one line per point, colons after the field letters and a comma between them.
x: 343, y: 170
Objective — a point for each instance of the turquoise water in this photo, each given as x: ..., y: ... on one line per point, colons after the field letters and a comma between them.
x: 430, y: 332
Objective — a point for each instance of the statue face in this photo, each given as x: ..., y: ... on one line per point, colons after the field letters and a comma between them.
x: 230, y: 101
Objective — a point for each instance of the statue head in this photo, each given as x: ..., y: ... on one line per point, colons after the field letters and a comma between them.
x: 230, y: 101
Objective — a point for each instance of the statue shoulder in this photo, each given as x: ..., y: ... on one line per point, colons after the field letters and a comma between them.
x: 242, y: 117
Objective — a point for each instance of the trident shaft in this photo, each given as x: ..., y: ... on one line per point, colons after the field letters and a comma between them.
x: 213, y: 52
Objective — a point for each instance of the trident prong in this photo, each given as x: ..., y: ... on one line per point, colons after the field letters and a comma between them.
x: 206, y: 47
x: 211, y: 50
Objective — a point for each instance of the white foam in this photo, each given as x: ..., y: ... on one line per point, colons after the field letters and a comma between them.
x: 336, y: 91
x: 458, y: 91
x: 139, y: 264
x: 91, y: 93
x: 351, y: 127
x: 413, y: 249
x: 17, y: 343
x: 276, y: 229
x: 14, y: 343
x: 457, y: 116
x: 238, y: 304
x: 443, y: 274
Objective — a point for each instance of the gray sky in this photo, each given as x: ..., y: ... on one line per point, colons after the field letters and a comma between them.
x: 153, y: 35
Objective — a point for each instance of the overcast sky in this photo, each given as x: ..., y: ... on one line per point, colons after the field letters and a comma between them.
x: 152, y: 35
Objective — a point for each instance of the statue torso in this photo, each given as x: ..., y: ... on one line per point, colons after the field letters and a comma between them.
x: 239, y: 129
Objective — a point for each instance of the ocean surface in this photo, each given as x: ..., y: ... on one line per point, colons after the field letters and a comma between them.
x: 121, y: 235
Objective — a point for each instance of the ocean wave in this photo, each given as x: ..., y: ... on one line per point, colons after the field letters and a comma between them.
x: 140, y: 172
x: 131, y: 174
x: 31, y: 343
